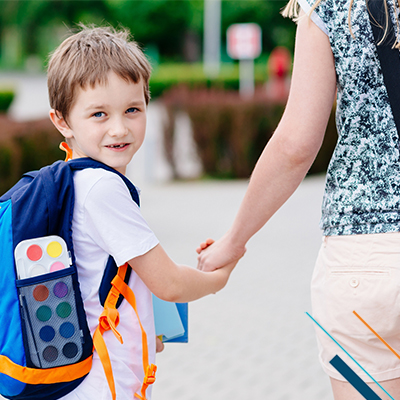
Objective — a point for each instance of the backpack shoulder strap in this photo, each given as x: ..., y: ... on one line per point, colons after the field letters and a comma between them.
x: 111, y: 268
x: 109, y: 320
x: 82, y: 163
x: 113, y: 289
x: 45, y: 199
x: 389, y: 56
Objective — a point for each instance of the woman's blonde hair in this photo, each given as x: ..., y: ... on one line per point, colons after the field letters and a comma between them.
x: 291, y: 10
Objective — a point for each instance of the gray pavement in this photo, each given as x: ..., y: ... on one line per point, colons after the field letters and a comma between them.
x: 252, y: 340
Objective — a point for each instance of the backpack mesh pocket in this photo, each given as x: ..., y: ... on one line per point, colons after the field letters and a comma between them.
x: 51, y: 323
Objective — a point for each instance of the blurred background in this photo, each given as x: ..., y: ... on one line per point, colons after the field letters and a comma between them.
x: 221, y: 75
x: 212, y: 112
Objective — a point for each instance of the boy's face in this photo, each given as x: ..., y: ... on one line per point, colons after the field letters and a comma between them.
x: 106, y: 122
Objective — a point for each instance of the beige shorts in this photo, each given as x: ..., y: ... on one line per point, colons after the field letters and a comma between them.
x: 358, y: 273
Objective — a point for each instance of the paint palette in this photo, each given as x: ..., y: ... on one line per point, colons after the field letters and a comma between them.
x: 48, y: 302
x: 40, y: 256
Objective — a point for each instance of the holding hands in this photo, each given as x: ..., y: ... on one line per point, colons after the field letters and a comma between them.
x: 214, y: 255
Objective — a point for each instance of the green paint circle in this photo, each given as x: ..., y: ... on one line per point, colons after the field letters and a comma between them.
x: 43, y: 313
x: 63, y: 309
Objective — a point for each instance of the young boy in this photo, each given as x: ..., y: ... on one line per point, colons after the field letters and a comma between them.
x: 98, y: 84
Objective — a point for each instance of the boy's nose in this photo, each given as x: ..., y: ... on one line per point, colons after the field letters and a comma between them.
x: 118, y: 128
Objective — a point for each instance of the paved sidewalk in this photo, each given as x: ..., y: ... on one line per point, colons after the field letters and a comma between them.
x: 252, y: 340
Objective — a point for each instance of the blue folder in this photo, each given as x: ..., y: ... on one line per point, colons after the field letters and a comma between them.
x: 171, y: 320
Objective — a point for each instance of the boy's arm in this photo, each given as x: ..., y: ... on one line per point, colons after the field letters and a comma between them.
x: 177, y: 283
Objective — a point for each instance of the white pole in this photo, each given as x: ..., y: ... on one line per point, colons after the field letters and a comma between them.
x: 246, y: 78
x: 212, y: 37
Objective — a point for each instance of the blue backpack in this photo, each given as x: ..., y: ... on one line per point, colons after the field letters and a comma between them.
x: 46, y: 348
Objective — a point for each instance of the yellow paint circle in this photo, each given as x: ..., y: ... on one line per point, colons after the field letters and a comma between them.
x: 54, y: 249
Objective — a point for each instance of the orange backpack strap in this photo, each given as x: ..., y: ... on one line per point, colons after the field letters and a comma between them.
x: 64, y: 147
x: 109, y: 320
x: 46, y: 376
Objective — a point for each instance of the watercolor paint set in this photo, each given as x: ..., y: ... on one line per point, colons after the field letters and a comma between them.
x: 40, y: 256
x: 48, y: 302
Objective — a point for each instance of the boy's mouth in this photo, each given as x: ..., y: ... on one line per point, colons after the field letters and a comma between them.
x: 118, y: 146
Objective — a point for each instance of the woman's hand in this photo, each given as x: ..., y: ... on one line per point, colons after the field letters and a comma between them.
x: 215, y: 255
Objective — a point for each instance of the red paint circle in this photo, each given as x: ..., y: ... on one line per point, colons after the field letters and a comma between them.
x: 34, y: 252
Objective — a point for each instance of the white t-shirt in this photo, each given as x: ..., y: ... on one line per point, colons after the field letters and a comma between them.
x: 107, y: 221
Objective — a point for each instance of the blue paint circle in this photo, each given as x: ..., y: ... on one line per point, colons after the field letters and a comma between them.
x: 67, y: 330
x: 47, y: 333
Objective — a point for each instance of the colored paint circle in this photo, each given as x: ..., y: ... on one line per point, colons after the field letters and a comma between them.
x: 67, y: 330
x: 50, y: 353
x: 60, y: 289
x: 40, y: 293
x: 57, y: 266
x: 34, y: 252
x: 63, y: 310
x: 70, y: 350
x: 54, y: 249
x: 36, y: 270
x: 47, y: 333
x: 43, y: 313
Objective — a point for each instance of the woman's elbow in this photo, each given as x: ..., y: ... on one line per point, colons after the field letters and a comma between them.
x: 299, y: 150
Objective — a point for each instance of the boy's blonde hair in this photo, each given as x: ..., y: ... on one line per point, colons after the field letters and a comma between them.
x: 87, y: 57
x: 292, y: 11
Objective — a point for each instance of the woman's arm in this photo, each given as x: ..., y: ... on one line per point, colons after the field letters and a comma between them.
x: 292, y: 149
x: 177, y: 283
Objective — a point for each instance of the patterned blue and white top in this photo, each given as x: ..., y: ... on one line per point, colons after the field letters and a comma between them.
x: 362, y: 193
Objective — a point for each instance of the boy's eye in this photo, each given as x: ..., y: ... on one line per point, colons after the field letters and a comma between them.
x: 98, y: 114
x: 131, y: 110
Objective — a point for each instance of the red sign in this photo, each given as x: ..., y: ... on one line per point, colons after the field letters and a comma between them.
x: 244, y: 41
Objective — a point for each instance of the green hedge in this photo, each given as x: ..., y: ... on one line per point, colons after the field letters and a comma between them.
x: 167, y: 76
x: 6, y: 98
x: 231, y: 132
x: 26, y: 146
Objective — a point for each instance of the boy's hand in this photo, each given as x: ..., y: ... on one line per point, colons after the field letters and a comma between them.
x: 204, y: 245
x: 159, y: 345
x: 216, y: 255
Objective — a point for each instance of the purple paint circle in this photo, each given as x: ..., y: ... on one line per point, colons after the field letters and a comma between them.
x: 60, y: 289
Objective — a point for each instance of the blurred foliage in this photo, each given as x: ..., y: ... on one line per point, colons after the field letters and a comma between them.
x: 26, y: 146
x: 167, y: 29
x: 230, y: 132
x: 6, y: 98
x: 168, y: 75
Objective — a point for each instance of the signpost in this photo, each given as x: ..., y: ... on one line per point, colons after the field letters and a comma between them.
x: 212, y: 37
x: 244, y: 44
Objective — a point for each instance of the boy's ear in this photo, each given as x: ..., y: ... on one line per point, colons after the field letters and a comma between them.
x: 60, y: 123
